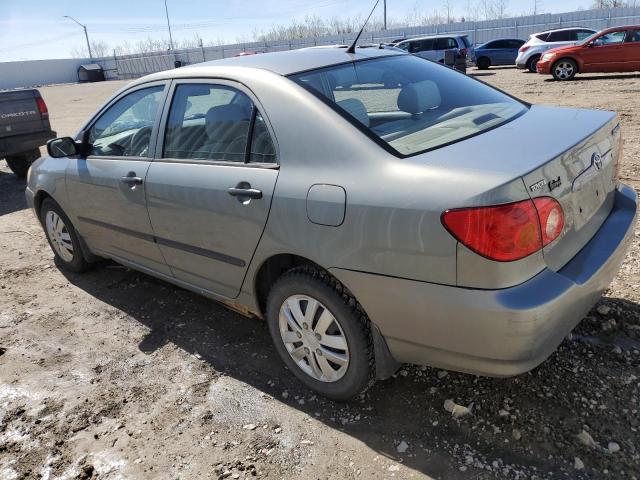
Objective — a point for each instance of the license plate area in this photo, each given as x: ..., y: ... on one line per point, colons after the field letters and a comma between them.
x: 588, y: 194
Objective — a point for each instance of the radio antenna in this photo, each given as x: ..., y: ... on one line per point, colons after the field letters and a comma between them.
x: 352, y: 48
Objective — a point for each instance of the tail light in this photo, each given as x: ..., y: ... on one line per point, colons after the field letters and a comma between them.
x: 42, y: 107
x: 463, y: 52
x: 507, y: 232
x: 524, y: 48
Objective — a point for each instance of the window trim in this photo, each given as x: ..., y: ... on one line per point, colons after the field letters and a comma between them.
x: 112, y: 101
x: 224, y: 82
x: 367, y: 132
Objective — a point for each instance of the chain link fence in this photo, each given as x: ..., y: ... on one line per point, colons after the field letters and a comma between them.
x: 137, y: 65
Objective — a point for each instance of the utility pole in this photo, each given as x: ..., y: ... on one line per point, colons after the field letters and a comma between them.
x: 166, y: 10
x: 86, y: 35
x: 385, y: 14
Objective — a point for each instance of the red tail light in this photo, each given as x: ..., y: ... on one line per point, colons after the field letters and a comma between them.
x: 507, y: 232
x: 524, y: 48
x: 463, y: 52
x: 42, y: 107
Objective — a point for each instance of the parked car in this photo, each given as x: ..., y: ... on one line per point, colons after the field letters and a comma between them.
x: 435, y: 47
x: 24, y: 127
x: 612, y: 50
x: 369, y: 225
x: 539, y: 43
x: 497, y: 52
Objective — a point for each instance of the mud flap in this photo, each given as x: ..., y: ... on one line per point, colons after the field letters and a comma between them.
x: 386, y: 365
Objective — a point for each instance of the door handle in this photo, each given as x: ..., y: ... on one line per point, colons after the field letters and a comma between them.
x: 244, y: 191
x: 131, y: 179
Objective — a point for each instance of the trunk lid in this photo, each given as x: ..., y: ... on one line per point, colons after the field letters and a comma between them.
x: 567, y: 154
x: 19, y: 113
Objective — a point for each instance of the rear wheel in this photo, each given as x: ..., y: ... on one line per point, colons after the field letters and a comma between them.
x: 62, y: 237
x: 564, y: 69
x: 19, y: 164
x: 532, y: 63
x: 321, y: 333
x: 483, y: 63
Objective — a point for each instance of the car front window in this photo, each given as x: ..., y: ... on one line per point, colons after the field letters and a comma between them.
x: 410, y: 104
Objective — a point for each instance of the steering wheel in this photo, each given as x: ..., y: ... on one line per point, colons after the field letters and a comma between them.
x: 139, y: 145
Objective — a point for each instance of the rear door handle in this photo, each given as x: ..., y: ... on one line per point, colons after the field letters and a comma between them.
x: 131, y: 179
x: 244, y: 190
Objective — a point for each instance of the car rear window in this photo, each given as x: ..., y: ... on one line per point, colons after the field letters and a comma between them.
x: 410, y: 105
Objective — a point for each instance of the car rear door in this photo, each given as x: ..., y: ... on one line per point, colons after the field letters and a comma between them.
x: 209, y: 189
x: 107, y: 188
x: 632, y: 51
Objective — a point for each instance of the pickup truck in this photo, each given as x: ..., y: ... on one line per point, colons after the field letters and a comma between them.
x: 24, y: 127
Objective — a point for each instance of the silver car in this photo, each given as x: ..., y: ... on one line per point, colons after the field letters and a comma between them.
x: 538, y: 43
x: 375, y: 208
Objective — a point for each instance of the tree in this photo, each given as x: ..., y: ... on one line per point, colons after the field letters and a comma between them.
x: 99, y: 49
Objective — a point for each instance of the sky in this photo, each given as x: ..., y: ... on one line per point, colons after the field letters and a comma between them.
x: 37, y: 29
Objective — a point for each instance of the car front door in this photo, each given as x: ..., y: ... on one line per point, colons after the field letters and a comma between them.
x: 209, y: 189
x: 605, y: 53
x: 425, y: 48
x: 107, y: 188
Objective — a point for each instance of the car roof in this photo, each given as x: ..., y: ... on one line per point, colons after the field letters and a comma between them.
x: 620, y: 27
x: 293, y: 61
x: 564, y: 29
x: 440, y: 35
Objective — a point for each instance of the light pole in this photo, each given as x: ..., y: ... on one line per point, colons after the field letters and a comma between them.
x: 166, y: 10
x: 385, y: 14
x: 86, y: 35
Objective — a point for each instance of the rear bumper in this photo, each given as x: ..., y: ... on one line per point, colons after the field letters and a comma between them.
x: 495, y: 332
x: 25, y: 142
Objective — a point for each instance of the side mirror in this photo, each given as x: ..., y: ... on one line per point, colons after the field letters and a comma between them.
x: 62, y: 147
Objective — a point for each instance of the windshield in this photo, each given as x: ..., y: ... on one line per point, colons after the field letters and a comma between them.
x: 411, y: 104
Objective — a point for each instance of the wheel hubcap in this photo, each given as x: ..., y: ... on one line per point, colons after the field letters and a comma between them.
x: 314, y: 338
x: 59, y: 236
x: 564, y: 70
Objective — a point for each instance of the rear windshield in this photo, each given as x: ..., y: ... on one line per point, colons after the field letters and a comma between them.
x: 409, y: 104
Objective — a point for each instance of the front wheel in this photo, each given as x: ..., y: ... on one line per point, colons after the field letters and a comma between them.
x: 483, y: 63
x: 564, y: 69
x: 19, y: 164
x: 62, y: 237
x: 321, y: 333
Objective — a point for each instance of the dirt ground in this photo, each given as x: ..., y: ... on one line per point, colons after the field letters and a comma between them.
x: 113, y: 374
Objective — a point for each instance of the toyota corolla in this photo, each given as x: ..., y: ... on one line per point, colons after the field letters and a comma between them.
x: 374, y: 207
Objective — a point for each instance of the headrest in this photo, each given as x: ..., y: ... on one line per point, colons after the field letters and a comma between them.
x: 356, y: 108
x: 224, y: 114
x: 419, y: 97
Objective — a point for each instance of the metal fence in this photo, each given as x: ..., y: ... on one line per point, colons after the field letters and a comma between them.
x: 133, y: 66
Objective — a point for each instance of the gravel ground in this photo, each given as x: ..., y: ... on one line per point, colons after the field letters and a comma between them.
x: 113, y: 374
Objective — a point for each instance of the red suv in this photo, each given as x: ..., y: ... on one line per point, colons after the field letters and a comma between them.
x: 615, y: 49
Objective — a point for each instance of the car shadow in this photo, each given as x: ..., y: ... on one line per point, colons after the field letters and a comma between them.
x: 481, y: 74
x: 406, y: 408
x: 12, y: 197
x: 580, y: 78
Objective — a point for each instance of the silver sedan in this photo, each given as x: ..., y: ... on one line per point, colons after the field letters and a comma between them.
x: 375, y: 208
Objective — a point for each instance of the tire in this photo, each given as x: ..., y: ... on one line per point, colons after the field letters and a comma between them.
x: 532, y: 63
x: 19, y: 164
x: 346, y: 324
x: 63, y: 239
x: 564, y: 69
x: 483, y: 63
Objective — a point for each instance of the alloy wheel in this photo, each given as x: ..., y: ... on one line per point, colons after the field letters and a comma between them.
x: 314, y: 338
x: 59, y: 236
x: 564, y: 70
